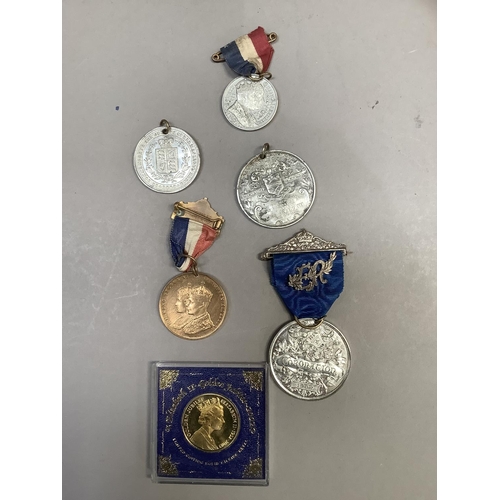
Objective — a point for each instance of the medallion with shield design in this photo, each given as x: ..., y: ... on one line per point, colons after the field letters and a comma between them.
x: 276, y: 189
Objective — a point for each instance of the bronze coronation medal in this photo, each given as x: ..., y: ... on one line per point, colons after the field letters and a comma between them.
x: 193, y: 305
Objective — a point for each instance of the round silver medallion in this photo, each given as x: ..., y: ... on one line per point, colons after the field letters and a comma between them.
x: 309, y: 363
x: 277, y: 190
x: 249, y: 104
x: 167, y: 163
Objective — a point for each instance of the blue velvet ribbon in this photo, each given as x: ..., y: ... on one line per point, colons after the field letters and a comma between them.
x: 316, y: 302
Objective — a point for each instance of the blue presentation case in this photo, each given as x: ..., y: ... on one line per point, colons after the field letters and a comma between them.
x: 174, y: 458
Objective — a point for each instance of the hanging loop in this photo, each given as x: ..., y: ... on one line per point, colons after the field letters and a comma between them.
x: 194, y: 265
x: 217, y: 57
x: 265, y: 149
x: 316, y: 323
x: 257, y: 77
x: 164, y: 123
x: 272, y: 37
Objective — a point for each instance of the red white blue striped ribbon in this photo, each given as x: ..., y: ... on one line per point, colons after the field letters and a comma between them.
x: 249, y: 54
x: 189, y: 237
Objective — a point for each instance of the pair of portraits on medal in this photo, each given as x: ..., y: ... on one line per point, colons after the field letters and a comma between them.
x: 192, y: 306
x: 192, y: 309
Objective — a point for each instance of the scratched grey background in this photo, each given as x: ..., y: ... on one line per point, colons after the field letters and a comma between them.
x: 357, y: 87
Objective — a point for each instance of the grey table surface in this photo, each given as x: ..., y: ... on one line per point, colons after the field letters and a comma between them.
x: 356, y: 81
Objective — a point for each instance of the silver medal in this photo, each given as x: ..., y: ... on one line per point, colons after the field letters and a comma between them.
x: 250, y: 103
x: 275, y: 188
x: 166, y: 159
x: 309, y: 362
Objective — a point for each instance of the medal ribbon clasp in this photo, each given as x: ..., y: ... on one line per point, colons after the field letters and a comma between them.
x: 248, y: 54
x: 308, y: 274
x: 200, y: 215
x: 196, y: 225
x: 218, y: 57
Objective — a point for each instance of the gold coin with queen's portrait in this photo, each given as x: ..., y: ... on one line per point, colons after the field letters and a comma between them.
x: 210, y: 422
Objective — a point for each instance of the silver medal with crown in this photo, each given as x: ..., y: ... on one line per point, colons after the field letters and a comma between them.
x: 276, y: 188
x: 250, y: 103
x: 166, y: 159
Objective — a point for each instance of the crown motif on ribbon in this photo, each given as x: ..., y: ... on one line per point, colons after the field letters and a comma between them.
x: 209, y: 404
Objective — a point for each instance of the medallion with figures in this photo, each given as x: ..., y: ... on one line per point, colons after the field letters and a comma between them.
x: 192, y: 307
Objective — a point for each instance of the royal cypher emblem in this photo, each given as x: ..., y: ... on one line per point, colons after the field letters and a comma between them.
x: 311, y: 274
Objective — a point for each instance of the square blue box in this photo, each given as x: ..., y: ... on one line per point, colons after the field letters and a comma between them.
x: 240, y: 390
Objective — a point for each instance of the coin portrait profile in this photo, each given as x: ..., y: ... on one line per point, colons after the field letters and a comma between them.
x: 249, y: 99
x: 211, y: 419
x: 183, y: 298
x: 197, y: 308
x: 210, y: 422
x: 249, y: 104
